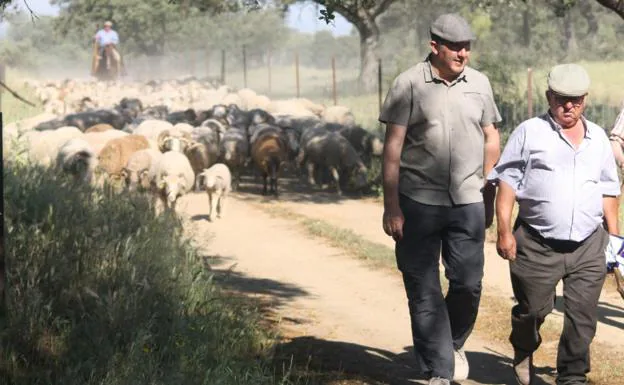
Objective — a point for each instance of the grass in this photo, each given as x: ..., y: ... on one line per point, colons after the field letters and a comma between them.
x: 493, y: 323
x: 103, y: 291
x: 12, y: 108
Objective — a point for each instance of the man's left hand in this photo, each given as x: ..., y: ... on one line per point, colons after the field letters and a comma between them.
x: 489, y: 195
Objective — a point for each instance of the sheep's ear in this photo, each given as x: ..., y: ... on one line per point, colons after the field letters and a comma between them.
x: 124, y: 173
x: 161, y: 184
x: 144, y: 173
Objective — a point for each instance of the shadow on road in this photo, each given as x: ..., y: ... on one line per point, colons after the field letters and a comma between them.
x: 608, y: 313
x: 376, y: 366
x: 292, y: 189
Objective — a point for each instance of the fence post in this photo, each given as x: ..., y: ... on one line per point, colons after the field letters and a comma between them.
x: 269, y: 66
x: 192, y: 62
x: 529, y: 93
x: 333, y: 63
x: 2, y: 80
x: 3, y: 299
x: 297, y: 71
x: 207, y: 66
x: 244, y: 66
x: 222, y: 66
x: 379, y: 84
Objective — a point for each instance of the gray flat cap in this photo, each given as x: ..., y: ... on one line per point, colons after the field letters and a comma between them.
x: 452, y: 27
x: 568, y: 80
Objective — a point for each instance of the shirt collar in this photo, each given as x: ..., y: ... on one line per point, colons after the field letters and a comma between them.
x: 557, y: 127
x: 431, y: 76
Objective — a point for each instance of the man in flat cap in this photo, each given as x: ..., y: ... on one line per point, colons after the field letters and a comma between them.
x: 440, y: 143
x: 560, y: 169
x: 108, y: 36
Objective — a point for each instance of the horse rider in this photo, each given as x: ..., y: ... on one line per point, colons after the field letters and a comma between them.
x: 108, y: 36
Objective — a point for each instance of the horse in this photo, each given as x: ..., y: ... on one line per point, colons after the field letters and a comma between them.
x: 110, y: 71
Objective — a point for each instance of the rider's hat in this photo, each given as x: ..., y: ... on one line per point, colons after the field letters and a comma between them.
x: 108, y: 23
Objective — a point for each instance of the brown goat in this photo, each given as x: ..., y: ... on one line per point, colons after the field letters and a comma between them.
x: 269, y: 152
x: 115, y: 154
x: 99, y: 128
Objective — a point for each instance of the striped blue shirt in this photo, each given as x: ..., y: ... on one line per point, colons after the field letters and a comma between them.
x: 559, y: 188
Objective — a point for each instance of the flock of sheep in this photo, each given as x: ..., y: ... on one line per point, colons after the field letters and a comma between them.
x: 171, y: 137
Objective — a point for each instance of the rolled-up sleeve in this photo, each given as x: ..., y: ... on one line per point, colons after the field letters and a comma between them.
x: 609, y: 179
x: 397, y: 105
x: 512, y: 163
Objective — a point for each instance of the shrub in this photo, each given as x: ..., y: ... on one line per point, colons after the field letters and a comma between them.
x: 103, y: 291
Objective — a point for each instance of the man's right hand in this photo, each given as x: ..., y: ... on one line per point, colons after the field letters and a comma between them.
x: 393, y: 221
x: 506, y: 245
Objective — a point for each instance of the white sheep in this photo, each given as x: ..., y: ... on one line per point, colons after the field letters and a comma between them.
x: 77, y: 158
x: 217, y: 182
x: 173, y: 177
x: 338, y: 114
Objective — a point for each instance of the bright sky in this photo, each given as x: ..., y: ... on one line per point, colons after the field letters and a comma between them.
x: 302, y: 16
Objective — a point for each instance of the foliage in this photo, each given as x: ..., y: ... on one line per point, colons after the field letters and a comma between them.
x: 103, y: 291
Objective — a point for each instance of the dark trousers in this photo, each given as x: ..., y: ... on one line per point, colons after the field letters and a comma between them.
x: 441, y: 324
x: 539, y: 266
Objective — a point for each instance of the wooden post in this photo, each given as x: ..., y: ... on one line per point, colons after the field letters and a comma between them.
x: 1, y: 79
x: 297, y: 71
x: 244, y: 66
x: 192, y: 54
x: 530, y: 93
x: 269, y: 66
x: 222, y: 66
x: 208, y: 63
x: 333, y: 63
x: 379, y: 84
x: 3, y: 296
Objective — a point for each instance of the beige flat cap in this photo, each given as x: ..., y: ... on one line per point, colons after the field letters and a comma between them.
x: 568, y: 80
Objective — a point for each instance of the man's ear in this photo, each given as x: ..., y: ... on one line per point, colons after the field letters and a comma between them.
x: 434, y: 47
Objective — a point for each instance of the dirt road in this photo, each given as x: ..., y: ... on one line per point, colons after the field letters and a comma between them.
x: 346, y: 316
x: 363, y: 216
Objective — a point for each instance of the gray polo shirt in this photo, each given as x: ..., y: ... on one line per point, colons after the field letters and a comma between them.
x: 559, y: 188
x: 443, y: 153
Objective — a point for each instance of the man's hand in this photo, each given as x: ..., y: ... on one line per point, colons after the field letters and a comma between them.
x: 489, y: 195
x: 393, y: 221
x: 506, y: 246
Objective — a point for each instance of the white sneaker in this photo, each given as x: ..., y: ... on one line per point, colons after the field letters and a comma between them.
x: 461, y: 365
x: 439, y: 381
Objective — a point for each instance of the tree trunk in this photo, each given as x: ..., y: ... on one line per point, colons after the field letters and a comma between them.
x: 369, y: 43
x: 368, y: 62
x: 570, y: 43
x: 526, y: 27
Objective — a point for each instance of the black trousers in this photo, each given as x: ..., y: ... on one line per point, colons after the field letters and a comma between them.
x: 539, y: 266
x: 440, y: 324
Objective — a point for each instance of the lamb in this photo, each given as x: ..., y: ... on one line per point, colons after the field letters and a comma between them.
x: 114, y: 156
x: 268, y: 152
x: 173, y: 177
x: 77, y: 158
x: 217, y: 181
x: 141, y: 164
x: 234, y: 152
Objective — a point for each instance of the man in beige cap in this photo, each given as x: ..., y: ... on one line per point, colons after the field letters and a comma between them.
x: 105, y: 37
x: 440, y: 143
x: 561, y: 170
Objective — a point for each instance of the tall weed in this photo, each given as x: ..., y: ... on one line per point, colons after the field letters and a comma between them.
x: 103, y: 291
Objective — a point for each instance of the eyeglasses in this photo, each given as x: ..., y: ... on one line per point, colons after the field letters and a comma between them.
x: 562, y: 100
